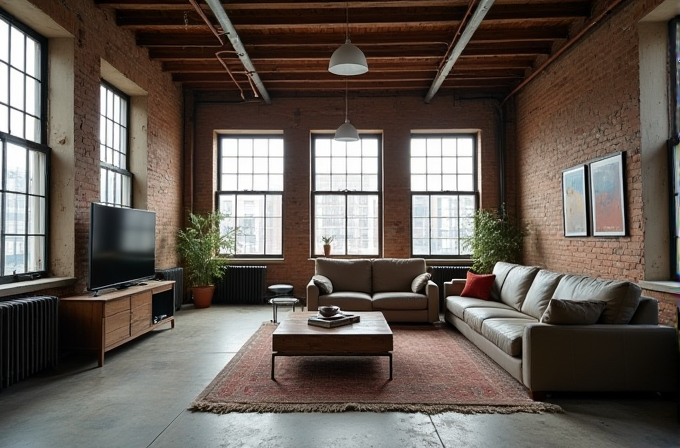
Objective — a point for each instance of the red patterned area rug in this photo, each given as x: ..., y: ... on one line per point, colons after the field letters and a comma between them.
x: 436, y: 369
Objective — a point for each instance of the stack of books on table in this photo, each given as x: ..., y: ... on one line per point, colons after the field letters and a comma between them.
x: 334, y: 321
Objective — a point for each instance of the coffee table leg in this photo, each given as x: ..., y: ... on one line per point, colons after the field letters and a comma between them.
x: 273, y: 358
x: 390, y: 355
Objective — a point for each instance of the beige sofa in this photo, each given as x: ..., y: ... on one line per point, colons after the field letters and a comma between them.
x: 381, y: 284
x: 624, y: 350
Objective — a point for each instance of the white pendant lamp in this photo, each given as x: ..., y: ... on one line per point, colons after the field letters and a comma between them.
x: 346, y: 132
x: 348, y: 60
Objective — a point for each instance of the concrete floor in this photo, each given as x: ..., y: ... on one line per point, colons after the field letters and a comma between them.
x: 139, y: 399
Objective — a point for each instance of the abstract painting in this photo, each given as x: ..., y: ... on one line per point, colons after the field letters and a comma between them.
x: 574, y: 201
x: 607, y: 196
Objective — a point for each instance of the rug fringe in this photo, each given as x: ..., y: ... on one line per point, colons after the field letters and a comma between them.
x: 278, y: 408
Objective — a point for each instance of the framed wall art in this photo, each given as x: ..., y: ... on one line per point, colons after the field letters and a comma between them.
x: 575, y: 201
x: 607, y: 196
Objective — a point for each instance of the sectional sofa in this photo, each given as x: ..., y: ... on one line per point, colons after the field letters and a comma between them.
x: 398, y: 287
x: 560, y: 332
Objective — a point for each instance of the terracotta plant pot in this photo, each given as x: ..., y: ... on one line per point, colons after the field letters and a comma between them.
x: 203, y: 296
x: 327, y: 250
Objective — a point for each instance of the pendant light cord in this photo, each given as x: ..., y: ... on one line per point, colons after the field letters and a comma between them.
x: 346, y: 107
x: 346, y: 21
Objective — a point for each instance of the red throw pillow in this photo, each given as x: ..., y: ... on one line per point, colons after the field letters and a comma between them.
x: 478, y: 285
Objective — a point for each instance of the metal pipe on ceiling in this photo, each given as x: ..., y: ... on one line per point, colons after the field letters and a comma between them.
x: 466, y: 35
x: 235, y: 40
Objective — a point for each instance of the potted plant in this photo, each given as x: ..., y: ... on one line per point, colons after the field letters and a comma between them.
x: 497, y: 237
x: 205, y: 251
x: 327, y: 240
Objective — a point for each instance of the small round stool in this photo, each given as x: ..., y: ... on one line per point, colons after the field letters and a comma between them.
x: 282, y: 301
x: 280, y: 289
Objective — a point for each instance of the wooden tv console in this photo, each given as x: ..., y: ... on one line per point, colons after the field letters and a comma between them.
x: 101, y: 323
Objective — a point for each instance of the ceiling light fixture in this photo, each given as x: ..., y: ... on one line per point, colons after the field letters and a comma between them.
x: 346, y: 132
x: 348, y: 60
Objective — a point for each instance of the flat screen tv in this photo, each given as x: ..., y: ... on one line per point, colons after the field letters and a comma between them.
x: 122, y: 249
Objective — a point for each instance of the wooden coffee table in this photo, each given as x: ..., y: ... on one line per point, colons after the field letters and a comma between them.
x: 369, y: 337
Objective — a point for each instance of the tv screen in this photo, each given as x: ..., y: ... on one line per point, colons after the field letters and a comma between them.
x: 122, y: 247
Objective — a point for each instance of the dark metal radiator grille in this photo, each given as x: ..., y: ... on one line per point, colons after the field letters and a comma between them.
x: 176, y: 274
x: 28, y: 337
x: 441, y: 274
x: 242, y: 284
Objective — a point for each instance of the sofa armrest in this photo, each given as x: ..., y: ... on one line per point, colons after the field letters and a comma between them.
x: 432, y: 292
x: 454, y: 287
x: 312, y: 296
x: 600, y: 358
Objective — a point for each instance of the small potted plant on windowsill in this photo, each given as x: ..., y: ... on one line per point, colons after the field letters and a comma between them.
x: 327, y: 240
x: 205, y: 251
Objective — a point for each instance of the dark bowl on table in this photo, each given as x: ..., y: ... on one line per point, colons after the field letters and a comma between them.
x: 329, y: 310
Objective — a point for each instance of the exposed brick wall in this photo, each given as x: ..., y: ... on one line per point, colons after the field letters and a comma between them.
x: 97, y: 37
x: 297, y: 117
x: 584, y: 106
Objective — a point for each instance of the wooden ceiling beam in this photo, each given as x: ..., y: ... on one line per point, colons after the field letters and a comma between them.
x: 203, y: 37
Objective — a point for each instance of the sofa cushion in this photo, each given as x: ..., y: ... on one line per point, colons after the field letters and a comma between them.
x: 346, y: 275
x: 348, y: 301
x: 457, y: 305
x: 478, y: 285
x: 418, y: 283
x: 506, y: 334
x: 573, y: 312
x: 517, y: 284
x: 500, y: 270
x: 396, y: 274
x: 540, y: 293
x: 323, y: 283
x: 399, y: 301
x: 475, y: 317
x: 621, y: 297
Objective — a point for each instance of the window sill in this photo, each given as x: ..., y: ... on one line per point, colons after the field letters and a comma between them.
x: 11, y: 289
x: 670, y: 287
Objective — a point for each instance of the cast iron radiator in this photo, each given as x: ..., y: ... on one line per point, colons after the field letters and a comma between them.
x: 441, y: 274
x: 242, y: 284
x: 29, y: 329
x: 176, y: 274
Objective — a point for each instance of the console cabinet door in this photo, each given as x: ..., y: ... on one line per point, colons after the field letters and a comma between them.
x: 140, y: 310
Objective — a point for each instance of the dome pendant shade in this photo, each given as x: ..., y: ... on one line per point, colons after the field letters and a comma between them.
x: 348, y: 60
x: 346, y: 133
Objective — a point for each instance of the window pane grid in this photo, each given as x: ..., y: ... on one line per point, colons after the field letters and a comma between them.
x: 116, y: 180
x: 250, y: 192
x: 23, y: 159
x: 20, y: 83
x: 23, y: 194
x: 443, y: 194
x: 347, y: 201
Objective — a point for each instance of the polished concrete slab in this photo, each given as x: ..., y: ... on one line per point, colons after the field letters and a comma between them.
x: 140, y: 399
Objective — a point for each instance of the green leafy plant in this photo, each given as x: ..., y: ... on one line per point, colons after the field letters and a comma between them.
x: 204, y: 249
x: 497, y: 237
x: 327, y: 239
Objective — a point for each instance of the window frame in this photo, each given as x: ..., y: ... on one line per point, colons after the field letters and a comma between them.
x: 220, y: 192
x: 674, y: 146
x: 474, y: 193
x: 316, y: 247
x: 29, y: 145
x: 108, y: 167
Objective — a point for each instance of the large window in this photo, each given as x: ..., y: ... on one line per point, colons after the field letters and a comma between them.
x: 674, y: 145
x: 443, y: 195
x: 251, y: 192
x: 346, y: 195
x: 23, y: 157
x: 116, y: 180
